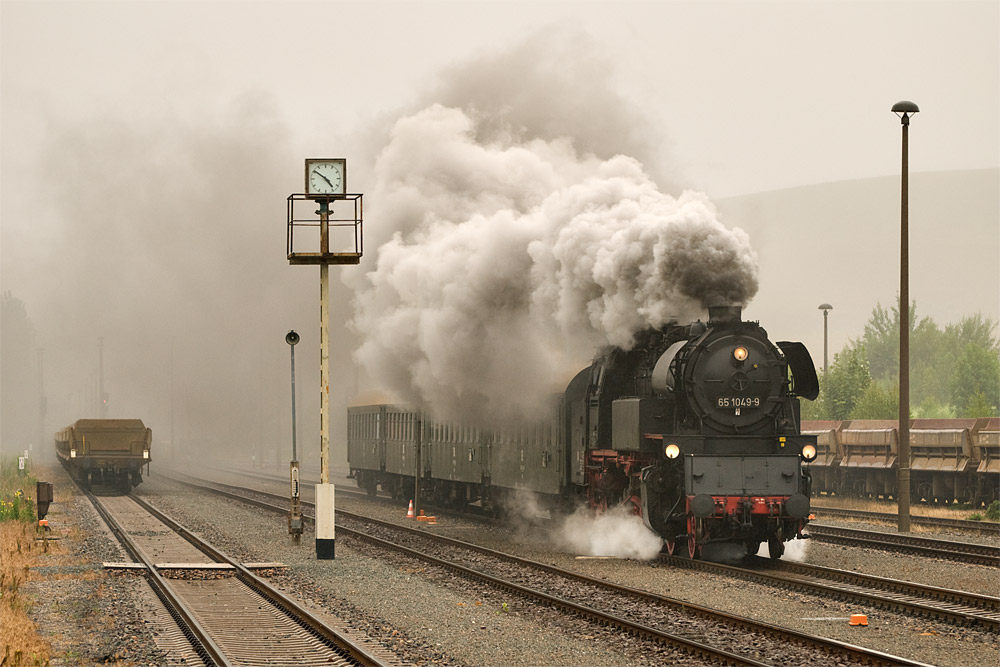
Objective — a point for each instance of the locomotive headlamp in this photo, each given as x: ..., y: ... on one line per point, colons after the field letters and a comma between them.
x: 672, y: 451
x: 809, y: 452
x: 740, y: 353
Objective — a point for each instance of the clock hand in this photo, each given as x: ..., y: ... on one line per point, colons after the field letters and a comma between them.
x: 324, y: 178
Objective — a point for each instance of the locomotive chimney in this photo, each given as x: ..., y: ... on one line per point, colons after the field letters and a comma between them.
x: 720, y: 314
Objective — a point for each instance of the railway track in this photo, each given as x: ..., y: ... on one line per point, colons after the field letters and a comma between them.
x: 227, y: 614
x: 965, y: 552
x: 976, y: 554
x: 983, y: 527
x: 952, y: 606
x: 695, y: 630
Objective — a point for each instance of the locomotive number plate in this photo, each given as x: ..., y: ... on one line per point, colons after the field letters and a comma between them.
x: 739, y: 401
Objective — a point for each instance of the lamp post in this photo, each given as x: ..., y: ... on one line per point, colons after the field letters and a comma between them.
x: 904, y: 110
x: 295, y: 515
x: 826, y: 308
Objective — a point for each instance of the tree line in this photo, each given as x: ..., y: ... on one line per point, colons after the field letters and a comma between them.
x: 954, y: 371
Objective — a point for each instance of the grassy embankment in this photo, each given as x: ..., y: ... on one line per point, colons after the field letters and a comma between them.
x: 19, y: 551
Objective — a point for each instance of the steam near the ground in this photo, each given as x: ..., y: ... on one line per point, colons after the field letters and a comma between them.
x: 617, y: 532
x: 795, y: 551
x: 512, y: 260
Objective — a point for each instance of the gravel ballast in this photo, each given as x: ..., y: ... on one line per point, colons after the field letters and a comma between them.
x: 432, y: 620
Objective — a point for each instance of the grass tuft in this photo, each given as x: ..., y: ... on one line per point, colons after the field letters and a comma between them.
x: 22, y: 645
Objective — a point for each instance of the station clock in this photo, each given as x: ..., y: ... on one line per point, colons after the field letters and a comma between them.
x: 326, y: 176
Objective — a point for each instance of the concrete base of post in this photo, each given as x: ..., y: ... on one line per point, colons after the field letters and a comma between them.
x: 325, y: 529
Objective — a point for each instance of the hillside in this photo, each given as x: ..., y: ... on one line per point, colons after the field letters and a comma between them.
x: 839, y: 243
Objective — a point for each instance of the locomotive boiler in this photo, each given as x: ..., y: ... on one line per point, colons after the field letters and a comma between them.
x: 695, y: 428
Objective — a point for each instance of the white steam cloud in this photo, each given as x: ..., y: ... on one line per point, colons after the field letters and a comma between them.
x: 506, y: 252
x: 617, y: 532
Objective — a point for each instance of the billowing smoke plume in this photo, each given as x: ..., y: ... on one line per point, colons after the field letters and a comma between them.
x: 512, y: 260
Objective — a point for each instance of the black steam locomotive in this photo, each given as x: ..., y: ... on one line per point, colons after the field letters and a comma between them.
x: 696, y: 428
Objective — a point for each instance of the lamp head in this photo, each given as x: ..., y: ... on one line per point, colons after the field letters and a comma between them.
x: 904, y: 110
x: 291, y: 338
x: 825, y: 307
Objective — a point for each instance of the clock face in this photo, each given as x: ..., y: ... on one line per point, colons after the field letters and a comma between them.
x: 326, y: 177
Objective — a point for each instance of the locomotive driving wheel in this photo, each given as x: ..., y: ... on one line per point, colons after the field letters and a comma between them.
x: 634, y: 505
x: 696, y: 539
x: 776, y: 544
x: 775, y: 547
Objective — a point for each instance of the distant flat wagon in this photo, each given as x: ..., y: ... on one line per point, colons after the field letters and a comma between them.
x: 105, y: 452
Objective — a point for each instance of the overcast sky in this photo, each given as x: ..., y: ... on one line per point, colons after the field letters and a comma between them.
x: 747, y: 96
x: 727, y: 98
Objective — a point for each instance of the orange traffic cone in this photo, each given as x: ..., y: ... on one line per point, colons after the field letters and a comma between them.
x: 409, y: 512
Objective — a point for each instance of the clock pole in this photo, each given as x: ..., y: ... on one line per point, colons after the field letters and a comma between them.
x: 325, y: 523
x: 325, y: 181
x: 324, y: 345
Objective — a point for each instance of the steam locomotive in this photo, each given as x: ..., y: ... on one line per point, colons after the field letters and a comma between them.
x: 695, y: 429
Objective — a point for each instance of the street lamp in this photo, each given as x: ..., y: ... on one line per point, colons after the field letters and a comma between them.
x: 826, y: 308
x: 295, y: 515
x: 904, y: 110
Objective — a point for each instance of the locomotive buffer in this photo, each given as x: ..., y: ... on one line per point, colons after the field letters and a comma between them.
x: 325, y: 185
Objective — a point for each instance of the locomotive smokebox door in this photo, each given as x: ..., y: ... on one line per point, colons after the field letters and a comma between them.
x: 43, y: 497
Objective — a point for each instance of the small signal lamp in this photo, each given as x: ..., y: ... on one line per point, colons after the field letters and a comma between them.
x: 809, y: 452
x: 672, y: 451
x: 741, y: 353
